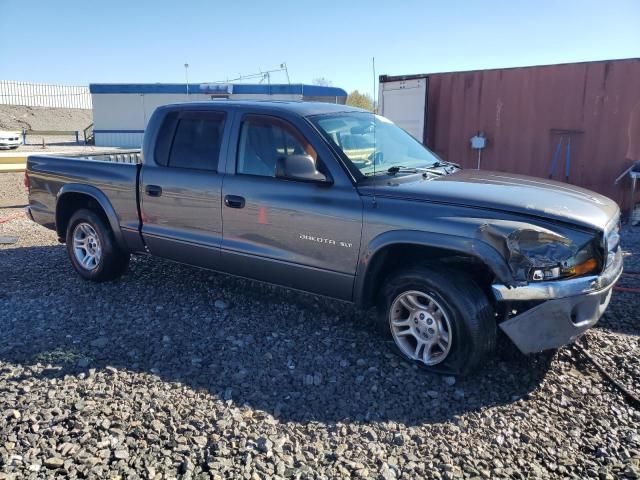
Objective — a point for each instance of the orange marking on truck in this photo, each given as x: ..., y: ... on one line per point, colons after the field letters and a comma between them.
x: 262, y: 216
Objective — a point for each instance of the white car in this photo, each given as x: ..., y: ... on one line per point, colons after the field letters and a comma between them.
x: 10, y: 139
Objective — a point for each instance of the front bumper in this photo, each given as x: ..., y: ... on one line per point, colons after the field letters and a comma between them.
x: 568, y: 308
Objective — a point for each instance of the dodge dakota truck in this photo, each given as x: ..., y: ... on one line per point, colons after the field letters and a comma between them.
x: 342, y: 203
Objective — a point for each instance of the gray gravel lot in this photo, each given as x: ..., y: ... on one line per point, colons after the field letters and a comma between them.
x: 176, y: 372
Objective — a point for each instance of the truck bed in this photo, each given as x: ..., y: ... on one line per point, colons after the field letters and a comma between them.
x: 115, y: 175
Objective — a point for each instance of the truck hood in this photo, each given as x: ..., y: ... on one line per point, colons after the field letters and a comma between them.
x: 506, y: 192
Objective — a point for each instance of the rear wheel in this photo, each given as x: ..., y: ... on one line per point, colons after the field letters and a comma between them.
x: 92, y: 248
x: 438, y: 318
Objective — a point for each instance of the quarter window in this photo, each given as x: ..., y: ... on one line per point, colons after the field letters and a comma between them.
x: 197, y: 140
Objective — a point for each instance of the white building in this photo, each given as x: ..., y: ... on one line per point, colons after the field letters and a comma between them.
x: 121, y: 111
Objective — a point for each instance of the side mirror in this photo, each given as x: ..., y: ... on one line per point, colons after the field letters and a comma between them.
x: 301, y: 168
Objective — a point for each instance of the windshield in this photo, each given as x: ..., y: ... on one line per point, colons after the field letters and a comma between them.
x: 375, y: 144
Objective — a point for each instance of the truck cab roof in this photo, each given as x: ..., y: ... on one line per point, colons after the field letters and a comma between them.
x: 302, y: 108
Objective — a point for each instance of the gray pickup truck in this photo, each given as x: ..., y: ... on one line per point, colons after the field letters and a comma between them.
x: 342, y: 203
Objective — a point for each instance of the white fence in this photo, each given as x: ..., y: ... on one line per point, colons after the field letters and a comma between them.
x: 43, y: 95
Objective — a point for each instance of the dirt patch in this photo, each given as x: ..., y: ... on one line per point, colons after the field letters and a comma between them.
x: 17, y: 117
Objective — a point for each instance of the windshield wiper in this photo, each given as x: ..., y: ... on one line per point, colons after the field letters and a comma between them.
x: 431, y: 169
x: 424, y: 170
x: 400, y: 168
x: 443, y: 163
x: 442, y: 167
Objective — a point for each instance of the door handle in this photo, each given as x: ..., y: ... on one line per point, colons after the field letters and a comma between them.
x: 234, y: 201
x: 153, y: 190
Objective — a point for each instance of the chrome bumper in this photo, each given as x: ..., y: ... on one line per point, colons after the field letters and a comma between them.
x: 562, y: 288
x: 572, y: 306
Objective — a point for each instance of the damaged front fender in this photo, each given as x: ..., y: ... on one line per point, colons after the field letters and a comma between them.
x: 372, y: 257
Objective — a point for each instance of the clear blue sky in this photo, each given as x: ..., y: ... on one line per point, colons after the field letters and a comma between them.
x: 81, y: 42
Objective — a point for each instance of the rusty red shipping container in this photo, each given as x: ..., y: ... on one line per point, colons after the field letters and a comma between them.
x: 525, y: 111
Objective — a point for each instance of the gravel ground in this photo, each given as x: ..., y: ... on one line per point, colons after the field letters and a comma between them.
x: 12, y: 192
x: 176, y: 372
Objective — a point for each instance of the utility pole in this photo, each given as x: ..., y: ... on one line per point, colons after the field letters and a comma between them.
x: 186, y: 74
x: 283, y: 66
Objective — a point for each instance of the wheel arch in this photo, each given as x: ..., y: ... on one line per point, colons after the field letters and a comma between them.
x: 377, y: 259
x: 73, y: 197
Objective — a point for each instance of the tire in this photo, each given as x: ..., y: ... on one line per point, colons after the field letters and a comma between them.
x: 450, y: 315
x: 109, y: 261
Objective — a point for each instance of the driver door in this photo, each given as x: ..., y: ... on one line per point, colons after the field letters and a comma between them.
x: 304, y: 235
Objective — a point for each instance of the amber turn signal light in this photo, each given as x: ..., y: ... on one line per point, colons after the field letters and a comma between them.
x: 585, y: 267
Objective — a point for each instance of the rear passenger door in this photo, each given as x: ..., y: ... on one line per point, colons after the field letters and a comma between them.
x: 181, y: 188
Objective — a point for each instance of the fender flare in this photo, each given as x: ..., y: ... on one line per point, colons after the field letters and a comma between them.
x: 102, y: 200
x: 473, y: 247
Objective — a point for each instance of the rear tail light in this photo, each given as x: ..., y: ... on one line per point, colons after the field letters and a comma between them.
x: 27, y: 183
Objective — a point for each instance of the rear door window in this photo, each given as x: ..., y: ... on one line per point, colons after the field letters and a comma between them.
x: 197, y: 141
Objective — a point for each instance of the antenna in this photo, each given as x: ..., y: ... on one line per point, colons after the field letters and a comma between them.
x: 373, y: 114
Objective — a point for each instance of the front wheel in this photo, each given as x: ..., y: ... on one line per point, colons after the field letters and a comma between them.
x: 92, y: 248
x: 438, y: 318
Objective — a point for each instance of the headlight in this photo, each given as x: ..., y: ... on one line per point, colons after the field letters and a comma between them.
x: 539, y: 255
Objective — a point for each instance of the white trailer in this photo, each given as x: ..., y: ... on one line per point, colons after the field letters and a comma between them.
x: 121, y: 111
x: 403, y: 100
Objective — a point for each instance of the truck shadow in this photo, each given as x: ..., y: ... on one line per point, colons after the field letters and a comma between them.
x: 293, y: 355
